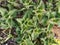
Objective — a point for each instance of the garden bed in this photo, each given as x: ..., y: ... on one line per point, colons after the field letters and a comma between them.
x: 29, y: 22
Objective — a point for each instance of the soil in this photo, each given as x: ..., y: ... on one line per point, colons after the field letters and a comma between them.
x: 10, y: 41
x: 56, y: 31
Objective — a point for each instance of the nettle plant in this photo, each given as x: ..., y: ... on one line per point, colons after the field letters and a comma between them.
x: 32, y: 19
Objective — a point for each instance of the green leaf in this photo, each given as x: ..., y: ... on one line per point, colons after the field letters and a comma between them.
x: 3, y: 11
x: 12, y: 13
x: 28, y: 42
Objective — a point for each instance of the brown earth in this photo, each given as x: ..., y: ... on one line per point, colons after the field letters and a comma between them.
x: 56, y: 31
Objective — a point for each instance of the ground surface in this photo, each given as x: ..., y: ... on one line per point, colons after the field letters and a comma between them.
x: 29, y: 22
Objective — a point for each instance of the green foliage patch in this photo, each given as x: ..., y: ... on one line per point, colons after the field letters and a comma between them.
x: 32, y: 19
